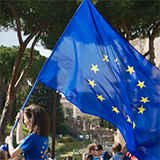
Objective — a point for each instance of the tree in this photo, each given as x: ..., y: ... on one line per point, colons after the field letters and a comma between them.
x: 149, y: 25
x: 7, y: 58
x: 101, y: 123
x: 133, y: 19
x: 35, y: 19
x: 106, y: 124
x: 122, y: 15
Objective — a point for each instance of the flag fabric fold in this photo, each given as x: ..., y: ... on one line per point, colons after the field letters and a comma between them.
x: 103, y: 75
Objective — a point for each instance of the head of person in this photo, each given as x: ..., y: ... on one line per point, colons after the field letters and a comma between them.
x: 3, y: 156
x: 89, y: 156
x: 37, y: 120
x: 100, y: 149
x: 49, y: 152
x: 69, y: 158
x: 84, y: 156
x: 116, y: 147
x: 93, y: 149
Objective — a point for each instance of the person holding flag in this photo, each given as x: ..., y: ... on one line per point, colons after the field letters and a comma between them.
x: 35, y: 145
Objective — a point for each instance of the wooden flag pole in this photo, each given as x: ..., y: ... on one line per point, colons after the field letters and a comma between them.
x: 54, y: 124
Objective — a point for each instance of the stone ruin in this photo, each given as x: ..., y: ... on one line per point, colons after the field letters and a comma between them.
x: 96, y: 133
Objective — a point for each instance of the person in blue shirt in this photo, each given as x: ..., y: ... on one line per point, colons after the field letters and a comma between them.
x: 103, y: 155
x: 117, y: 152
x: 35, y: 145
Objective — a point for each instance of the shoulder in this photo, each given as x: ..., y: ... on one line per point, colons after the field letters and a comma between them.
x: 126, y: 158
x: 35, y: 136
x: 106, y: 155
x: 117, y: 156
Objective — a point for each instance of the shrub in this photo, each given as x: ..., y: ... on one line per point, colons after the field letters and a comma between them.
x: 66, y: 139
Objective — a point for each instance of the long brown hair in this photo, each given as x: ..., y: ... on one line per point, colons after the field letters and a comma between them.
x: 39, y: 118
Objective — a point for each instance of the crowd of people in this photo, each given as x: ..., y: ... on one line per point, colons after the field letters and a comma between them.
x: 36, y: 144
x: 96, y: 152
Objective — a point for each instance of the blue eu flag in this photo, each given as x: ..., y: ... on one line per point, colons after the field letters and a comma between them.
x: 103, y: 75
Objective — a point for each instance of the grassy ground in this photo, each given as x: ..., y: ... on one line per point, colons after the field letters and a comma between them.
x: 73, y: 149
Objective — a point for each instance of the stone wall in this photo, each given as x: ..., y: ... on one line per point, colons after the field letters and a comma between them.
x: 78, y: 125
x: 97, y: 133
x: 142, y: 46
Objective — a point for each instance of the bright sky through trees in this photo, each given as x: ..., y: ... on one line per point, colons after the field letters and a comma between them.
x: 9, y: 39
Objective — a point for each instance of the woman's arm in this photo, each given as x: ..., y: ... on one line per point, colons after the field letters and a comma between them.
x: 19, y: 136
x: 13, y: 152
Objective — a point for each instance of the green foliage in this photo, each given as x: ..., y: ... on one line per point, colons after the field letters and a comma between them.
x: 61, y: 15
x: 106, y: 124
x: 138, y: 16
x: 87, y: 117
x: 63, y: 129
x: 70, y: 148
x: 66, y: 139
x: 34, y: 13
x: 7, y: 60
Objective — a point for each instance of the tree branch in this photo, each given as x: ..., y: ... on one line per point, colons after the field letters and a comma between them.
x: 20, y: 55
x: 126, y: 29
x: 18, y: 23
x: 156, y: 30
x: 26, y: 69
x: 146, y: 54
x: 35, y: 31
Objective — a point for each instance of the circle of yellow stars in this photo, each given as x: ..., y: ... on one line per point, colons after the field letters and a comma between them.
x: 140, y: 84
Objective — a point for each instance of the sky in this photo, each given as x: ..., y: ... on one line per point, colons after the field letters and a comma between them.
x: 10, y: 38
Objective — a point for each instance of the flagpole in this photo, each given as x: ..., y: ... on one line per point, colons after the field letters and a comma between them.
x: 54, y: 124
x: 25, y: 104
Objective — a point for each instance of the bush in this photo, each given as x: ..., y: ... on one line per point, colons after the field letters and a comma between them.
x: 66, y: 139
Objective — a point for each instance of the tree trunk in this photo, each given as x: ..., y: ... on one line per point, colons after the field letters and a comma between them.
x: 6, y: 114
x: 151, y: 49
x: 126, y: 29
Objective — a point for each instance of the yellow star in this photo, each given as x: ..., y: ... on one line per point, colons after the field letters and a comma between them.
x: 105, y: 58
x: 92, y: 83
x: 134, y: 125
x: 100, y: 97
x: 141, y: 84
x: 115, y: 109
x: 94, y: 68
x: 130, y: 70
x: 141, y: 110
x: 116, y: 60
x: 129, y: 120
x: 144, y: 99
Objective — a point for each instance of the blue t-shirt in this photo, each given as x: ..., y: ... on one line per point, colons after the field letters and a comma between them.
x: 35, y: 147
